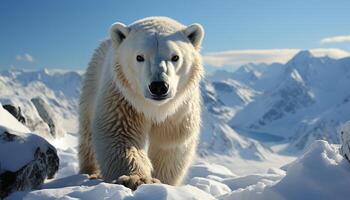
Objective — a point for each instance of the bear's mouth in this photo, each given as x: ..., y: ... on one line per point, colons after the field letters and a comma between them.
x: 159, y: 98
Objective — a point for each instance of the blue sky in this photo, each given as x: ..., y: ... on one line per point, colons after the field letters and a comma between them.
x: 63, y: 34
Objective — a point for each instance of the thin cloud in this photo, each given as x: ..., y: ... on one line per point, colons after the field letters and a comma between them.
x: 237, y: 58
x: 331, y: 52
x: 25, y: 57
x: 336, y: 39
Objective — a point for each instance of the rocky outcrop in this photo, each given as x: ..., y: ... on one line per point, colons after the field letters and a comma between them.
x: 46, y: 114
x: 345, y: 140
x: 37, y: 115
x: 26, y: 160
x: 16, y: 112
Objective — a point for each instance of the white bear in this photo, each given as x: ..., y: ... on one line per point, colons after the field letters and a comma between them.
x: 142, y: 87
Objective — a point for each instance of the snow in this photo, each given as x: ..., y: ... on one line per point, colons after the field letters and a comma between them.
x: 100, y: 190
x: 204, y: 169
x: 57, y: 88
x: 321, y: 173
x: 221, y: 144
x: 308, y: 94
x: 212, y: 187
x: 6, y: 120
x: 16, y: 154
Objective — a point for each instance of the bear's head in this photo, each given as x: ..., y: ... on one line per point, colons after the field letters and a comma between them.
x: 158, y: 58
x: 157, y: 63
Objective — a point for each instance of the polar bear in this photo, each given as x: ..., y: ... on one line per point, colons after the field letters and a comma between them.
x: 142, y: 88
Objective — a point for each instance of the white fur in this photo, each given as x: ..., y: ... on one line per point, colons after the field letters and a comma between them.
x: 115, y: 95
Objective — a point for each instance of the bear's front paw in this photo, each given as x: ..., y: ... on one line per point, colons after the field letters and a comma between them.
x: 133, y: 181
x: 95, y: 176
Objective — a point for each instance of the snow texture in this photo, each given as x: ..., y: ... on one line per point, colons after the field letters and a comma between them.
x: 321, y: 173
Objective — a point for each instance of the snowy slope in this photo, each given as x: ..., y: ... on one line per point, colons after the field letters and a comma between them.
x: 321, y: 173
x: 59, y: 89
x: 220, y: 143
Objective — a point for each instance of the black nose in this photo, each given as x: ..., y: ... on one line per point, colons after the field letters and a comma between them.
x: 158, y: 88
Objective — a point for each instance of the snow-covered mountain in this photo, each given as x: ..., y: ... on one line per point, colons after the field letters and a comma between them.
x: 301, y: 101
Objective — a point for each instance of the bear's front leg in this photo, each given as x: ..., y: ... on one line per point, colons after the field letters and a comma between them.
x: 119, y: 135
x: 172, y: 148
x: 171, y: 164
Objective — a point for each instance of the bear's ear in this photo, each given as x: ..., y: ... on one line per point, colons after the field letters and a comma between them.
x: 195, y: 33
x: 118, y: 32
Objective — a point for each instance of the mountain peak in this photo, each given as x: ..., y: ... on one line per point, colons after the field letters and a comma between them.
x: 302, y: 55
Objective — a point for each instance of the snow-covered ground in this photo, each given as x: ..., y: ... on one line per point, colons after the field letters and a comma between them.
x: 320, y: 173
x: 259, y: 140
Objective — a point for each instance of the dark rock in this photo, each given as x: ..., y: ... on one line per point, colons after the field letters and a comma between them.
x: 46, y: 113
x: 16, y: 112
x: 8, y: 137
x: 344, y: 131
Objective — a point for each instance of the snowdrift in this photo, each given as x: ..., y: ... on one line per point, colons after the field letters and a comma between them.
x: 321, y: 173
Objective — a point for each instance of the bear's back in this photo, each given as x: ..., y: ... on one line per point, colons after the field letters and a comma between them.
x: 157, y: 24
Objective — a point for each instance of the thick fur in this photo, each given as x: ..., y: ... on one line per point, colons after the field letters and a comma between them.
x: 116, y: 120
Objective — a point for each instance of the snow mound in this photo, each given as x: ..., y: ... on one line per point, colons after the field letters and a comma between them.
x: 321, y: 173
x: 26, y: 159
x: 212, y: 187
x: 102, y: 190
x: 204, y: 170
x: 15, y: 154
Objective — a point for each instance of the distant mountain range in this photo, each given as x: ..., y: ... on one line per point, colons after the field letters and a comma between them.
x: 300, y: 101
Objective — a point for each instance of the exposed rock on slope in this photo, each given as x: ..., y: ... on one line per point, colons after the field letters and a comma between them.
x: 345, y: 140
x: 16, y: 112
x: 46, y: 113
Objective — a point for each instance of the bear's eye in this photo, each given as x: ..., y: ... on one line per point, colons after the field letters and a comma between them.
x: 140, y: 58
x: 175, y: 58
